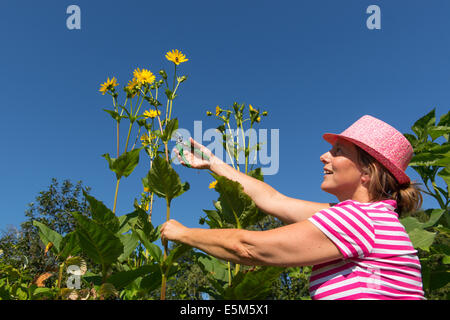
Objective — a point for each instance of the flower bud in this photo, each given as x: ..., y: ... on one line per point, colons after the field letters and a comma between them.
x: 264, y: 113
x: 208, y: 113
x: 163, y: 74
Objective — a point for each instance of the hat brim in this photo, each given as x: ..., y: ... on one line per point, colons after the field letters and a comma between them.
x: 399, y: 174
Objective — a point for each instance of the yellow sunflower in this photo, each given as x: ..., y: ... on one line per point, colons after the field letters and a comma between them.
x: 176, y: 57
x: 151, y: 113
x: 212, y: 185
x: 108, y: 85
x: 143, y: 76
x: 145, y: 140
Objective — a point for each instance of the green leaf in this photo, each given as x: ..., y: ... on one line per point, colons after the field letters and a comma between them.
x: 438, y: 131
x: 237, y: 207
x: 69, y: 245
x: 421, y: 238
x: 422, y: 125
x: 163, y: 180
x: 430, y: 159
x: 114, y: 114
x: 411, y: 223
x: 170, y: 128
x: 127, y: 221
x: 129, y: 242
x: 147, y: 234
x: 125, y: 164
x: 214, y: 219
x: 213, y: 267
x: 48, y: 235
x: 173, y: 256
x: 101, y: 214
x: 153, y: 280
x: 253, y: 285
x: 124, y: 278
x: 435, y: 215
x: 99, y: 243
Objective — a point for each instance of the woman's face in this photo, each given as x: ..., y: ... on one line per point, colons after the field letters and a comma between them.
x: 346, y: 178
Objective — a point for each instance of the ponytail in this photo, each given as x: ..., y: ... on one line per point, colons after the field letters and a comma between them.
x: 384, y: 186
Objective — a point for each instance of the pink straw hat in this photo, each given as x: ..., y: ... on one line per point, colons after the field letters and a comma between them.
x: 381, y: 141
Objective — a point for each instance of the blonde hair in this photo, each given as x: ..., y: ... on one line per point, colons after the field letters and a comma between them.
x: 384, y: 186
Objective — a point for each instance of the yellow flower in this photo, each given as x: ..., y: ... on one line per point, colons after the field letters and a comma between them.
x: 146, y: 189
x: 132, y: 84
x: 143, y: 76
x: 218, y: 111
x: 258, y: 119
x: 151, y: 113
x: 251, y: 108
x: 145, y: 140
x: 108, y: 85
x: 212, y: 185
x: 176, y: 57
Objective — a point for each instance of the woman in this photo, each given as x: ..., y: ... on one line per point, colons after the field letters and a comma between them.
x: 358, y: 247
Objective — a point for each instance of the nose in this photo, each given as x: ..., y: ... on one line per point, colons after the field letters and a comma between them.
x: 325, y: 158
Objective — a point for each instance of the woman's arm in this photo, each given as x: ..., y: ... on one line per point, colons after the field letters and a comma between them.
x: 269, y: 200
x: 298, y: 244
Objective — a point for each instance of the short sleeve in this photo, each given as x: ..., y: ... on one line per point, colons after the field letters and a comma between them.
x: 348, y: 227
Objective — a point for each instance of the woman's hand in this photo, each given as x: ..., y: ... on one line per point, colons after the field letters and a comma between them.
x: 172, y: 230
x: 194, y: 160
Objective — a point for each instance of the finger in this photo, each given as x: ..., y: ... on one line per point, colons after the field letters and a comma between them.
x: 180, y: 158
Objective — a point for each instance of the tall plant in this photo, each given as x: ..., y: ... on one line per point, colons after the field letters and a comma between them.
x: 429, y: 229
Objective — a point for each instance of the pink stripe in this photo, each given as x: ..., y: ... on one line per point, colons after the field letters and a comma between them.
x: 383, y: 265
x: 402, y: 284
x: 392, y: 238
x: 386, y: 219
x: 324, y: 274
x: 393, y: 247
x: 340, y: 277
x: 388, y: 228
x: 342, y: 242
x: 357, y: 215
x: 377, y: 296
x: 369, y: 238
x: 355, y: 237
x: 330, y: 292
x: 402, y: 275
x: 397, y: 259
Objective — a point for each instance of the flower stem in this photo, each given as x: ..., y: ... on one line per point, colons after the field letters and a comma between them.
x: 163, y: 282
x: 115, y: 195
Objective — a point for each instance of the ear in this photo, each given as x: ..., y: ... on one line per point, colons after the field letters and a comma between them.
x: 365, y: 176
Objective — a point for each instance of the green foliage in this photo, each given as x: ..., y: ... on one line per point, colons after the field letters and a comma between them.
x: 429, y: 229
x: 164, y: 181
x: 124, y: 165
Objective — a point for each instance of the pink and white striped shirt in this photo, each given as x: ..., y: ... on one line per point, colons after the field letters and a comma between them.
x: 379, y: 260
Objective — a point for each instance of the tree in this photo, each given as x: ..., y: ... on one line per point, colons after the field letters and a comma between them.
x: 22, y: 248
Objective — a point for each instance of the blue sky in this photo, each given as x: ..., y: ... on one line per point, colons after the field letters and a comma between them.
x: 313, y: 65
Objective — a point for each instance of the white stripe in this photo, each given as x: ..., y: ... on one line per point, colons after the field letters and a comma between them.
x: 394, y: 253
x: 333, y: 238
x: 330, y: 276
x: 355, y: 233
x: 391, y: 233
x: 394, y: 242
x: 356, y: 221
x: 329, y: 234
x: 324, y: 289
x: 362, y: 214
